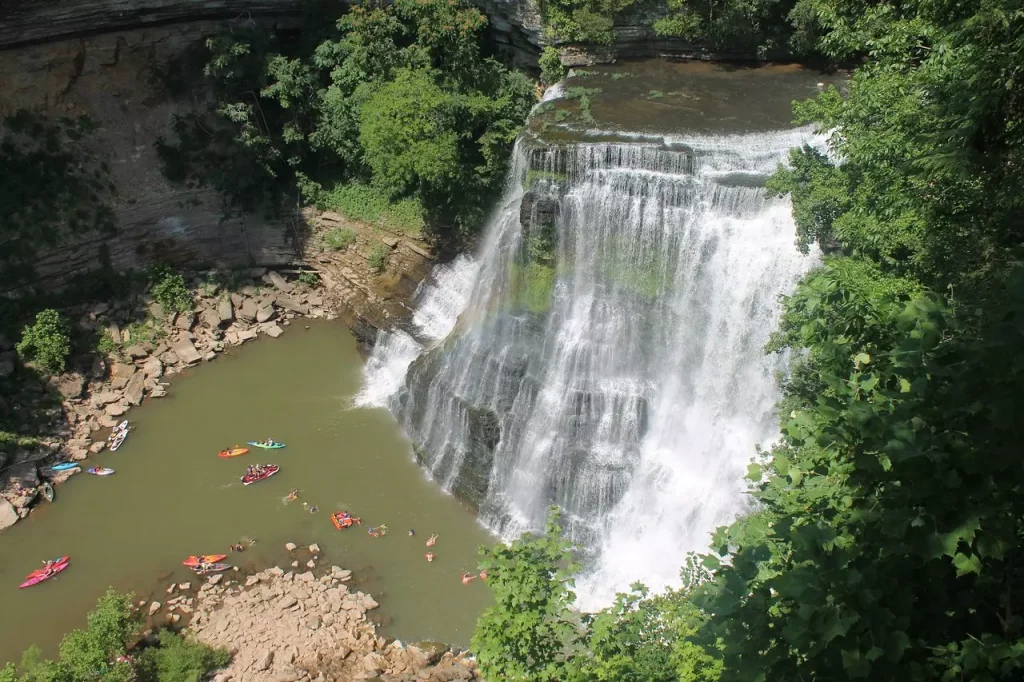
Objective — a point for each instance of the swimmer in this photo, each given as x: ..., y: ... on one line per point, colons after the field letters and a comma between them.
x: 411, y: 532
x: 292, y: 496
x: 467, y: 578
x: 314, y: 509
x: 432, y: 540
x: 483, y: 575
x: 430, y: 556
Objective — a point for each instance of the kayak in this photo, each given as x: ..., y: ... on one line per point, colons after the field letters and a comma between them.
x: 233, y: 452
x: 117, y: 439
x: 341, y: 523
x: 100, y: 471
x: 123, y: 426
x: 267, y: 473
x: 39, y: 575
x: 208, y: 558
x: 212, y: 568
x: 64, y: 466
x: 47, y: 491
x: 272, y: 446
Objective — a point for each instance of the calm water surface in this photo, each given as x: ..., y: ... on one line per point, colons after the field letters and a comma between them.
x: 172, y: 496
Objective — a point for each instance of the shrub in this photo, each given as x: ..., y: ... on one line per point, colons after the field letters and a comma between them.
x: 656, y: 94
x: 339, y: 239
x: 309, y: 278
x: 177, y: 659
x: 169, y: 290
x: 551, y: 69
x: 47, y: 343
x: 371, y: 205
x: 378, y: 258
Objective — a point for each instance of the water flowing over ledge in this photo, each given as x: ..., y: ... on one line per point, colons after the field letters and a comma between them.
x: 604, y: 352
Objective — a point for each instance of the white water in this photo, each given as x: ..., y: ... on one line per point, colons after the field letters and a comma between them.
x: 632, y: 395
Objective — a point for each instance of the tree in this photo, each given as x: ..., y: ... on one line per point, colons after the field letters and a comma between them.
x: 525, y: 635
x: 46, y: 343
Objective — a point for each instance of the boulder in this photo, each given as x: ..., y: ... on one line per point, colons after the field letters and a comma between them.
x: 391, y: 242
x: 156, y: 311
x: 153, y: 368
x: 248, y: 311
x: 185, y: 321
x: 314, y: 548
x: 116, y: 409
x: 184, y: 586
x: 8, y: 514
x: 154, y: 607
x: 289, y: 674
x: 209, y: 317
x: 122, y: 370
x: 291, y: 305
x: 77, y: 453
x: 265, y: 660
x: 225, y: 310
x: 69, y: 385
x: 215, y: 579
x: 133, y: 392
x: 236, y: 300
x: 104, y: 398
x: 246, y: 335
x: 159, y: 391
x: 266, y: 314
x: 279, y: 282
x: 287, y: 602
x: 97, y: 447
x: 274, y: 331
x: 25, y: 473
x: 186, y: 352
x: 291, y: 546
x: 137, y: 351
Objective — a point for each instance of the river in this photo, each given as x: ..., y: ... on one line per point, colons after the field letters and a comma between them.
x: 172, y: 496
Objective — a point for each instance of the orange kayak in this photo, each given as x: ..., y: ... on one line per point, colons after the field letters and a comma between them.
x: 340, y: 522
x: 233, y: 452
x: 206, y: 558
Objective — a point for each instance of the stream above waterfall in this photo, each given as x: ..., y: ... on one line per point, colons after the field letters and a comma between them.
x: 603, y: 351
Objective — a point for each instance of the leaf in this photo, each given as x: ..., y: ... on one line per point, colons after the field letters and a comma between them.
x: 904, y: 385
x: 966, y: 564
x: 754, y: 472
x: 862, y: 359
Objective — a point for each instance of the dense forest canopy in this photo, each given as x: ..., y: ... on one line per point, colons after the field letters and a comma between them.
x: 887, y: 536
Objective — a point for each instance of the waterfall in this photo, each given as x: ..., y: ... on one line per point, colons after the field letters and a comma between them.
x: 605, y: 351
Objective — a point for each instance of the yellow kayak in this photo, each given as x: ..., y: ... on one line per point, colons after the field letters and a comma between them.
x: 233, y: 452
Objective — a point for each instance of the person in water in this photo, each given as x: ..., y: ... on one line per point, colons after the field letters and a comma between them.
x: 383, y: 529
x: 430, y: 556
x: 314, y: 509
x: 432, y: 540
x: 412, y: 532
x: 373, y: 532
x: 467, y: 578
x: 483, y: 575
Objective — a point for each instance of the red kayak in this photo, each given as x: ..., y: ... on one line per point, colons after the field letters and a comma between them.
x: 267, y: 472
x: 206, y: 558
x: 40, y: 574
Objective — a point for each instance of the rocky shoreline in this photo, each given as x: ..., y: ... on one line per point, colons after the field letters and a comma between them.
x: 294, y: 627
x: 142, y: 354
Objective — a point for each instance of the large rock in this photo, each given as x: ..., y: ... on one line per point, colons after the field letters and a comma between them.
x: 116, y: 409
x: 210, y: 318
x: 291, y: 305
x: 153, y: 368
x: 265, y: 660
x: 186, y: 352
x: 154, y: 607
x: 279, y: 282
x: 137, y: 351
x: 69, y: 385
x: 246, y: 334
x: 184, y: 321
x: 274, y: 331
x: 134, y: 390
x: 25, y: 473
x: 225, y: 311
x: 248, y: 311
x: 265, y: 314
x: 8, y: 514
x: 122, y: 370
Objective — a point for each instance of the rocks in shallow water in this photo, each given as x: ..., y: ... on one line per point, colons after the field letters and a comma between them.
x: 8, y: 514
x: 273, y: 331
x: 314, y: 548
x: 215, y: 579
x: 291, y: 546
x: 154, y: 607
x: 186, y: 352
x: 246, y: 335
x: 159, y: 391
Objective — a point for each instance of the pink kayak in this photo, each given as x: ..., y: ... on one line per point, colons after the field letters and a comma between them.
x: 40, y: 574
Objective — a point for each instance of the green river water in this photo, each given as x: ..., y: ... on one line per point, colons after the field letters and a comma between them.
x: 172, y: 496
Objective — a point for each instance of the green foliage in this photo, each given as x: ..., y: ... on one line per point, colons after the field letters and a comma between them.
x: 339, y: 239
x: 51, y: 186
x: 582, y: 21
x: 177, y: 659
x: 47, y: 342
x: 309, y: 278
x: 372, y: 205
x: 534, y: 175
x: 378, y: 258
x: 522, y: 636
x: 551, y: 69
x: 753, y: 25
x: 91, y: 654
x: 169, y: 290
x: 398, y: 110
x: 656, y: 94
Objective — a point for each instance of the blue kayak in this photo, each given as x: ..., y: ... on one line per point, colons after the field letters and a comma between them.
x: 64, y: 466
x: 272, y: 446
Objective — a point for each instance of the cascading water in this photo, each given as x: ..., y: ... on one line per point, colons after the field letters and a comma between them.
x: 608, y: 356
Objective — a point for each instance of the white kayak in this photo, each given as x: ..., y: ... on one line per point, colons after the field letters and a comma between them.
x: 100, y: 471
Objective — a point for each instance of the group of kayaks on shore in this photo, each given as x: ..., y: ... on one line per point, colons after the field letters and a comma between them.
x: 114, y: 441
